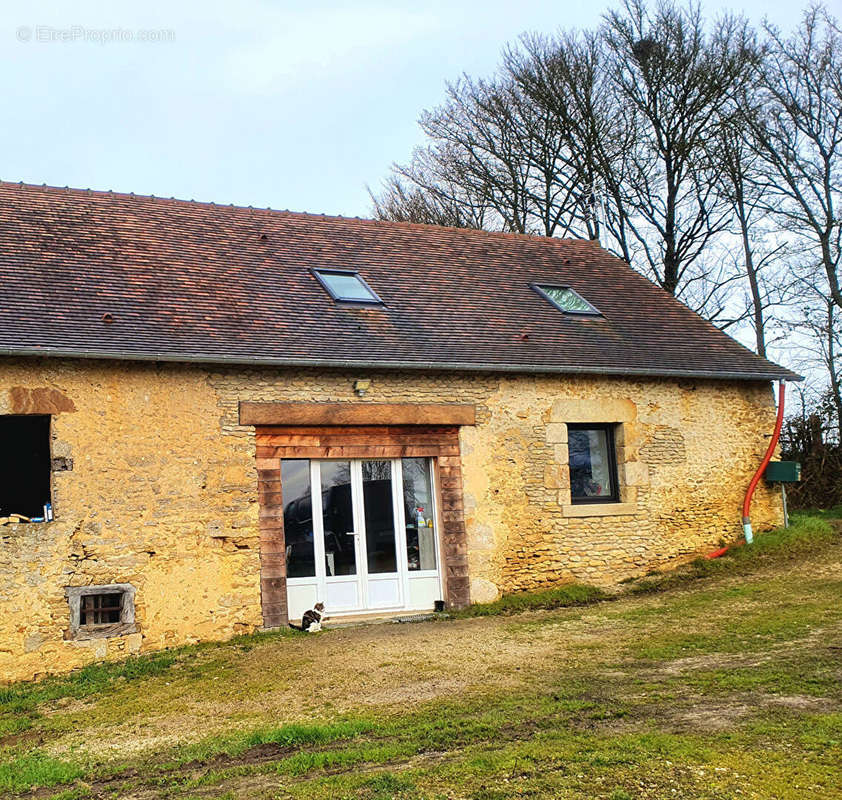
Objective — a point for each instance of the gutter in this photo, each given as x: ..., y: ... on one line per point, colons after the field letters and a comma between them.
x: 353, y: 363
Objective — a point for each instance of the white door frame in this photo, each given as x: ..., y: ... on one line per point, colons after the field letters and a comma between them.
x: 318, y: 585
x: 379, y: 585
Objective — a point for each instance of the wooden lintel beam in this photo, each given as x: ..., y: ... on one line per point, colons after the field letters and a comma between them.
x: 357, y: 414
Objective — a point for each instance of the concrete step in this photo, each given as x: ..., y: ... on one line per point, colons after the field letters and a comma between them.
x: 381, y: 619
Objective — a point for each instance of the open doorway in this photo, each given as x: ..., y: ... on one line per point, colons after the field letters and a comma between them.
x: 24, y: 464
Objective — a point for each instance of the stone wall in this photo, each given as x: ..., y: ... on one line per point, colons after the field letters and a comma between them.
x: 162, y: 493
x: 686, y: 452
x: 156, y: 498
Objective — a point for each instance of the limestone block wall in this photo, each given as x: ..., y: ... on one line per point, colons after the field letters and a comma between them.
x: 686, y: 452
x: 162, y: 493
x: 155, y: 498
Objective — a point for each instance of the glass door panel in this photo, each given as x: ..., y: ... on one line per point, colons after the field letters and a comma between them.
x: 338, y: 518
x: 337, y: 533
x: 419, y: 514
x: 298, y: 518
x: 301, y: 543
x: 379, y: 517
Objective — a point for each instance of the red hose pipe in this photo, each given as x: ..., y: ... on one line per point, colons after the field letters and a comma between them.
x: 766, y: 459
x: 776, y: 435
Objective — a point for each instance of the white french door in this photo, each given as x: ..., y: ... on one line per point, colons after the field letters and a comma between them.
x: 360, y: 535
x: 336, y: 529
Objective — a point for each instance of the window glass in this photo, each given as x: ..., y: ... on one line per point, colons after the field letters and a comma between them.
x: 338, y: 518
x: 298, y: 518
x: 418, y: 510
x: 379, y: 517
x: 567, y: 300
x: 593, y: 473
x: 346, y: 286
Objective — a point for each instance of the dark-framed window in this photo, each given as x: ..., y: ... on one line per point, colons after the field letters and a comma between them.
x: 565, y: 299
x: 593, y: 463
x: 346, y: 286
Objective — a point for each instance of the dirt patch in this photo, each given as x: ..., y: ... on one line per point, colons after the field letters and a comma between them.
x: 718, y: 717
x: 712, y: 661
x: 33, y: 738
x: 67, y: 705
x: 117, y: 783
x: 390, y: 667
x: 259, y: 754
x: 801, y: 702
x: 817, y: 639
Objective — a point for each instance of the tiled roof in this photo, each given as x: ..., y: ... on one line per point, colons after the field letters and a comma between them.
x: 109, y: 275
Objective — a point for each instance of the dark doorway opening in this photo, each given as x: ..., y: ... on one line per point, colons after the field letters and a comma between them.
x: 24, y: 465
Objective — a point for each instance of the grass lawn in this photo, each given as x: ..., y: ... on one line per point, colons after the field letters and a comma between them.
x: 722, y: 680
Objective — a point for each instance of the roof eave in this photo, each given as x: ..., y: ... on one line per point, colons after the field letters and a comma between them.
x: 256, y: 361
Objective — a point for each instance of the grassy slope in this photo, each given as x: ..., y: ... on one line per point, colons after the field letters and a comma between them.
x: 721, y: 680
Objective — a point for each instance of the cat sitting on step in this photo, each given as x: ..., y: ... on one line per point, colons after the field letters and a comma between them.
x: 311, y: 621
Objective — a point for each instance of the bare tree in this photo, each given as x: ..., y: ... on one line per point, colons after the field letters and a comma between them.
x: 794, y: 110
x: 759, y: 249
x: 570, y: 77
x: 817, y: 332
x: 601, y: 135
x: 675, y: 81
x: 810, y: 436
x: 495, y: 160
x: 402, y: 201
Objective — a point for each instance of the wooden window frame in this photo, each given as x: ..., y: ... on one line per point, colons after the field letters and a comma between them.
x: 80, y: 631
x: 439, y: 442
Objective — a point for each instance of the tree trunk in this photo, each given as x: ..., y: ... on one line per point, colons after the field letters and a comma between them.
x: 751, y: 272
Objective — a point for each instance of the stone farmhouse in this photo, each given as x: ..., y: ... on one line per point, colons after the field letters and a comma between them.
x: 215, y: 416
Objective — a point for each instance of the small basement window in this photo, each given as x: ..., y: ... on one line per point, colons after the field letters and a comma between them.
x: 565, y: 299
x: 101, y: 611
x: 346, y: 285
x: 24, y: 464
x: 593, y: 464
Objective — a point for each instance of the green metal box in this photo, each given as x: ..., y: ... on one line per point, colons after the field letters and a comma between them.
x: 783, y: 471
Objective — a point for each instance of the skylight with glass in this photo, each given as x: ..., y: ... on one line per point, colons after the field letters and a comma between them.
x: 346, y: 285
x: 565, y: 299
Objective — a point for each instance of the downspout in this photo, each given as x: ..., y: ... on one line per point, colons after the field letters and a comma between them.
x: 766, y: 459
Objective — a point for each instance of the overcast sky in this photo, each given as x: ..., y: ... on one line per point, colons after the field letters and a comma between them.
x: 289, y: 105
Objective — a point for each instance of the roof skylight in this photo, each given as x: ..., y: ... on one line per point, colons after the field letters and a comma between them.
x: 346, y: 285
x: 565, y: 299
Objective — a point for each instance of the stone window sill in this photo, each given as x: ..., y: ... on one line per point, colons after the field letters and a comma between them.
x: 7, y: 528
x: 599, y: 510
x: 104, y: 632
